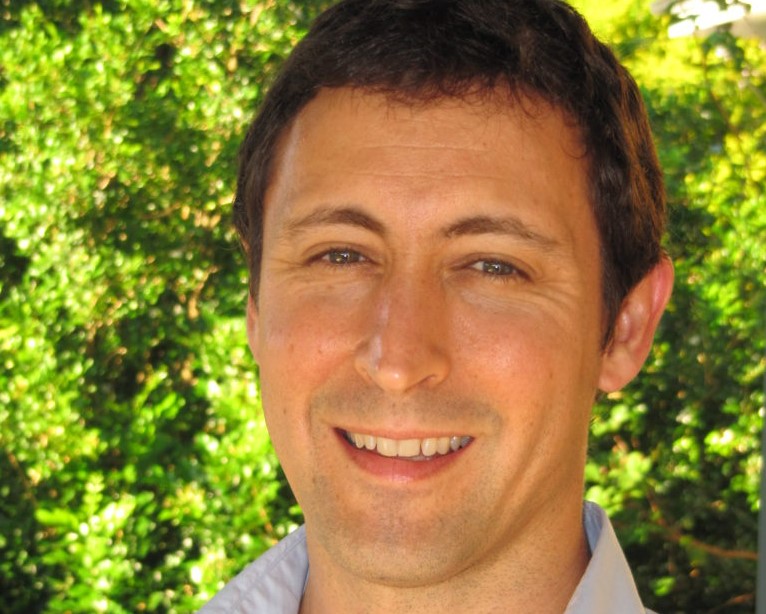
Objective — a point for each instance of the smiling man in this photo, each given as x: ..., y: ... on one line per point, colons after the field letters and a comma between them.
x: 452, y: 211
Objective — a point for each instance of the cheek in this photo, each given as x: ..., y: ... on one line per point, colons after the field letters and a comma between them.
x: 304, y: 343
x: 530, y: 364
x: 301, y: 335
x: 505, y: 346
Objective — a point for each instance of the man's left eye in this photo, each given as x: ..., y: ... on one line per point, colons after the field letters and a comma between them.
x: 495, y: 268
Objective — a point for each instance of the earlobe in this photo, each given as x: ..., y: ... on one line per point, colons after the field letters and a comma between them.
x: 635, y: 327
x: 252, y: 326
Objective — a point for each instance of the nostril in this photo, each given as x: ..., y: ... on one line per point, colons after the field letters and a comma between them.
x: 402, y: 367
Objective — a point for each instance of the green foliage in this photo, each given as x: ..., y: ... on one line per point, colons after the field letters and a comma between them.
x: 676, y: 457
x: 135, y: 471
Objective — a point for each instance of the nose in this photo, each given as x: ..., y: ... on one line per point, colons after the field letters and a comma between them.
x: 405, y: 345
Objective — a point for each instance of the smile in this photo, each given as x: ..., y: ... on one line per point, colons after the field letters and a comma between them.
x: 412, y: 449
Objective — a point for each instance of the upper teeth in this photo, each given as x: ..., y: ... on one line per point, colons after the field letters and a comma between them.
x: 408, y: 448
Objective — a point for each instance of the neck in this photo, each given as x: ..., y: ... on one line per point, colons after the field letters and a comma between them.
x: 538, y: 574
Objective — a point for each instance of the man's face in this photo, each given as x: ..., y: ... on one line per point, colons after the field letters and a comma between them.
x: 430, y: 276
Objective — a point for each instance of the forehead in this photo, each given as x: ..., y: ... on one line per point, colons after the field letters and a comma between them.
x: 337, y: 117
x: 355, y: 146
x: 350, y: 119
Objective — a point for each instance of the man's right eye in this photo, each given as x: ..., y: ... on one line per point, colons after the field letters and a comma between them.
x: 342, y: 257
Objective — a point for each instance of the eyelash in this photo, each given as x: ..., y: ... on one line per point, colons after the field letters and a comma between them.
x: 507, y: 272
x: 352, y: 257
x: 501, y: 271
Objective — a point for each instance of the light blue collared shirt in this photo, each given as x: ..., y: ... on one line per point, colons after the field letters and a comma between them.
x: 274, y: 583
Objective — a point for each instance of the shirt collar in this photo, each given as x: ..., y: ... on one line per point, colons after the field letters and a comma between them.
x: 607, y: 585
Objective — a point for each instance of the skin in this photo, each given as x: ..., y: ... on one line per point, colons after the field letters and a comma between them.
x: 434, y: 270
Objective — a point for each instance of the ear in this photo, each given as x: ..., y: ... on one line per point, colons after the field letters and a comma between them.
x: 252, y: 326
x: 635, y: 326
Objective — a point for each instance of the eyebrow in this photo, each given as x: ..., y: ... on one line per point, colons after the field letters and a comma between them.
x: 475, y: 225
x: 330, y: 216
x: 508, y: 226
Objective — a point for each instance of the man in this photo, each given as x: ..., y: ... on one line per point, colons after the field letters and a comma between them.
x: 452, y: 211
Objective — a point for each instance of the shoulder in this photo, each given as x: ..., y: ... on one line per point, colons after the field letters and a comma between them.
x: 272, y: 583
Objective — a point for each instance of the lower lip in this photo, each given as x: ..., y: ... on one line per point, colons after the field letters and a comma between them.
x: 395, y: 469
